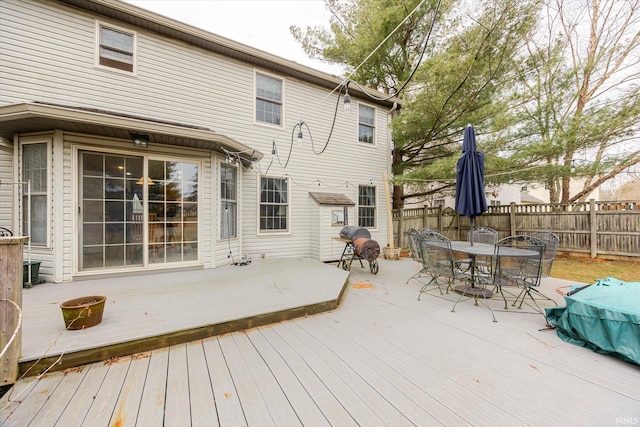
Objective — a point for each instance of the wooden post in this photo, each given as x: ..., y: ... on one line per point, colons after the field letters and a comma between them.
x: 512, y: 219
x: 400, y: 226
x: 593, y: 225
x: 387, y: 195
x: 11, y: 288
x: 425, y: 217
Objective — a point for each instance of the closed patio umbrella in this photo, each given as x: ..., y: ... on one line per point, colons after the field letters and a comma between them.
x: 470, y: 198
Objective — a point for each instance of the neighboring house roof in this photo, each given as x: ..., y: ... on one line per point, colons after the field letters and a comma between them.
x: 332, y: 199
x: 528, y: 198
x: 34, y: 117
x: 214, y: 43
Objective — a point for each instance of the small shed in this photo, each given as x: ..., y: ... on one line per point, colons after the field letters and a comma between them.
x: 334, y: 211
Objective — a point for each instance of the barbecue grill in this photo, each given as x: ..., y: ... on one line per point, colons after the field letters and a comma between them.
x: 358, y: 245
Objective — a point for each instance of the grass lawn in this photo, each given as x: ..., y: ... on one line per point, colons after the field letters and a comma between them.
x: 588, y: 270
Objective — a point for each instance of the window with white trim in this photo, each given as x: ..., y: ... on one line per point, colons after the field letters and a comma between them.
x: 274, y: 204
x: 366, y: 124
x: 116, y: 47
x: 228, y: 201
x: 35, y: 171
x: 367, y: 206
x: 268, y: 99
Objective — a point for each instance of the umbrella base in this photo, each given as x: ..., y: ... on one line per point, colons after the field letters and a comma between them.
x: 472, y: 291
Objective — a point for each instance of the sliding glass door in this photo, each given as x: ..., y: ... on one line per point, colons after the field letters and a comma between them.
x: 135, y: 211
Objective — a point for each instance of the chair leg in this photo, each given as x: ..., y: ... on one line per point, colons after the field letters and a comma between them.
x: 475, y: 298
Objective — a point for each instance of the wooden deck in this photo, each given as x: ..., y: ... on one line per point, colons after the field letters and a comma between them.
x: 380, y: 358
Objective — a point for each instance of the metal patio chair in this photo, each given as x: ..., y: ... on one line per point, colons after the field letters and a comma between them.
x: 5, y: 232
x: 488, y: 236
x: 438, y: 260
x: 414, y: 249
x: 518, y: 263
x: 551, y: 242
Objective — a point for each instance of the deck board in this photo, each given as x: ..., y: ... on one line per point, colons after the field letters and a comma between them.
x: 104, y: 401
x: 298, y: 397
x: 380, y: 358
x: 177, y: 411
x: 274, y: 398
x: 151, y: 410
x: 227, y: 401
x: 201, y: 400
x: 128, y: 404
x: 253, y: 404
x: 332, y: 409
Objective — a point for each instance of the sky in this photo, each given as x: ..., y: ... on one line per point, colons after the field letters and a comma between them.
x: 262, y: 24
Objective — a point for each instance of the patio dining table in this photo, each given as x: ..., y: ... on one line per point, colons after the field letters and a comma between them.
x: 473, y: 251
x: 485, y: 250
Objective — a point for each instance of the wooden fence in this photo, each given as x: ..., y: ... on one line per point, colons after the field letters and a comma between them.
x: 595, y: 229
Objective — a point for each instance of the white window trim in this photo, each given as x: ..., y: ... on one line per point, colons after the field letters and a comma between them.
x: 375, y: 125
x: 28, y: 141
x: 255, y: 95
x: 221, y: 163
x: 289, y: 205
x: 97, y: 63
x: 377, y: 206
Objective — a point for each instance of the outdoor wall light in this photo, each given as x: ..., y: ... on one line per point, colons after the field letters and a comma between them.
x: 140, y: 141
x: 300, y: 134
x: 347, y: 98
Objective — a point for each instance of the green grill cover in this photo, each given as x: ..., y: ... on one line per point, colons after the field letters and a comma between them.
x: 604, y: 317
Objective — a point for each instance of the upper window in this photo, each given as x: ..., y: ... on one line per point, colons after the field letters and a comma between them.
x: 274, y: 204
x: 116, y: 48
x: 366, y: 124
x: 35, y: 171
x: 366, y: 206
x: 228, y: 201
x: 268, y: 99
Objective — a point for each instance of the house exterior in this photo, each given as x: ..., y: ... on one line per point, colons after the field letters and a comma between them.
x: 150, y: 144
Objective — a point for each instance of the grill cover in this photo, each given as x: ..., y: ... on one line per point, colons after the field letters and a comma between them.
x: 366, y: 248
x: 351, y: 232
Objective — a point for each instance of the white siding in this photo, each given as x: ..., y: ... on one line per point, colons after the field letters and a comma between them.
x: 7, y: 188
x: 49, y: 51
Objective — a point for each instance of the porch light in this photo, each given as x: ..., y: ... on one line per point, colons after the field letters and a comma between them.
x: 140, y: 141
x: 299, y: 139
x: 347, y: 98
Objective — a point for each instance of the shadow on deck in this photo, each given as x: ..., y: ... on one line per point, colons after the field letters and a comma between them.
x: 155, y: 310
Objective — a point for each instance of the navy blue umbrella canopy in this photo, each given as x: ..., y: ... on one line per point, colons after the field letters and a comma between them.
x: 470, y: 199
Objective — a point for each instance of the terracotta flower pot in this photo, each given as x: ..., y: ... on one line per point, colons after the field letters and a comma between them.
x: 83, y: 312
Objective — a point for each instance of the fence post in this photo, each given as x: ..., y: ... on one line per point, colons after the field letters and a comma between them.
x: 512, y: 219
x: 10, y: 306
x: 425, y: 217
x: 593, y: 225
x: 440, y: 218
x: 400, y: 226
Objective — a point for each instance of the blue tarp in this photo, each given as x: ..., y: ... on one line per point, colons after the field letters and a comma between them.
x: 604, y: 317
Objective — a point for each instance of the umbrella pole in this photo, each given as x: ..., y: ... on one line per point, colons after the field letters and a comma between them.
x: 473, y: 227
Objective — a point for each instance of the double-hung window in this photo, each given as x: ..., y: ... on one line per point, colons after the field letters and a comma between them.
x: 268, y: 99
x: 228, y: 201
x: 116, y: 47
x: 274, y: 204
x: 367, y: 206
x: 35, y: 171
x: 366, y: 124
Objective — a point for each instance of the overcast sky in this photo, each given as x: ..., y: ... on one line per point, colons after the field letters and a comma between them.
x: 262, y: 24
